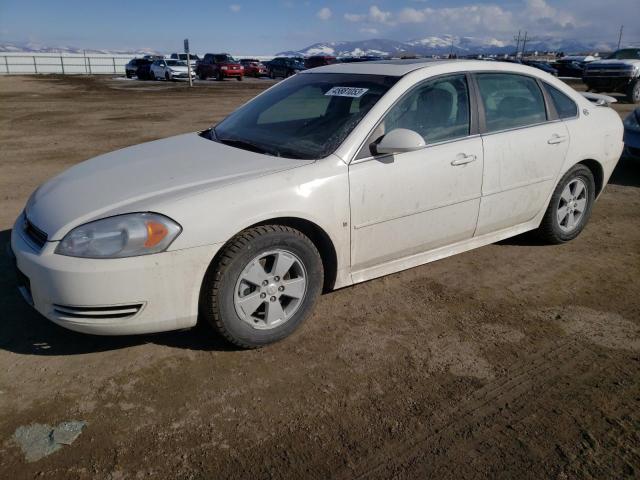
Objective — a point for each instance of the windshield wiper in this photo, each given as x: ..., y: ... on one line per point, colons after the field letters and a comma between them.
x: 246, y: 145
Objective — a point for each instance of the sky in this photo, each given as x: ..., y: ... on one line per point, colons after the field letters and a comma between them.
x: 262, y: 27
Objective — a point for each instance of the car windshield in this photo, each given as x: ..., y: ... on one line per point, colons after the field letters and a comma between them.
x: 176, y: 63
x: 306, y: 117
x: 223, y: 59
x: 626, y: 54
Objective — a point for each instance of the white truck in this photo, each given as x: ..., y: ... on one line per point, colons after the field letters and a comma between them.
x: 619, y: 72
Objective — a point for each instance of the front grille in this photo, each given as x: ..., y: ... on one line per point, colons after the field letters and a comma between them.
x: 98, y: 313
x: 35, y: 235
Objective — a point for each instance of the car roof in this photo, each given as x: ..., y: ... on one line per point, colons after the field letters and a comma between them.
x: 399, y: 68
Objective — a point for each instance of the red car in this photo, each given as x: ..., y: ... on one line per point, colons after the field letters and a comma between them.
x: 253, y: 67
x: 219, y: 66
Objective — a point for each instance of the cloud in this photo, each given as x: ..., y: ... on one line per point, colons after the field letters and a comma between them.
x: 324, y: 13
x: 375, y: 15
x: 234, y: 7
x: 537, y: 16
x: 369, y: 30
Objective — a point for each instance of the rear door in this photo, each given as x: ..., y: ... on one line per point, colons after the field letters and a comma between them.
x: 524, y: 149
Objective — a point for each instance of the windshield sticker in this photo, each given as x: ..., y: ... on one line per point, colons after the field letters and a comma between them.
x: 353, y: 92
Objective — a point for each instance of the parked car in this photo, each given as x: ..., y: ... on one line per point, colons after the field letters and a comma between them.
x: 365, y: 58
x: 219, y: 66
x: 193, y: 59
x: 253, y: 67
x: 339, y: 175
x: 319, y: 61
x: 544, y: 66
x: 572, y: 65
x: 143, y: 72
x: 284, y: 67
x: 131, y: 67
x: 169, y: 69
x: 632, y: 134
x: 619, y: 72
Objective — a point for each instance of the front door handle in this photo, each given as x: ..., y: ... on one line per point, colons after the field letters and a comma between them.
x: 463, y: 159
x: 555, y: 139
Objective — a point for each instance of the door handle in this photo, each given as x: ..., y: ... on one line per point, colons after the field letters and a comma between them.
x: 555, y: 139
x: 463, y: 159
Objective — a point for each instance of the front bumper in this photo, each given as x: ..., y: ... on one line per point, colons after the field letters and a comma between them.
x: 146, y: 294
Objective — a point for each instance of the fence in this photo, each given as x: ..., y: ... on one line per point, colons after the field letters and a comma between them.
x: 20, y: 63
x: 25, y: 64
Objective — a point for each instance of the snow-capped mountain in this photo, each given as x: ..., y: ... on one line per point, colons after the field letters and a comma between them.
x: 33, y: 47
x: 443, y: 45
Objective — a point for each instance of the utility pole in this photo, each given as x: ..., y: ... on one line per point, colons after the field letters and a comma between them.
x: 451, y: 49
x: 524, y: 44
x: 517, y: 39
x: 620, y: 37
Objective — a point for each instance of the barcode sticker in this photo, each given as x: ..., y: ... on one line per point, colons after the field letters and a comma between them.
x: 353, y: 92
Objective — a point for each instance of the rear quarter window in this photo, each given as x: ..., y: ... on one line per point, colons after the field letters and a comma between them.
x: 565, y: 107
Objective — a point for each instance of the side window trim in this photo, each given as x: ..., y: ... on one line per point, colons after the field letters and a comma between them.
x: 551, y: 114
x: 473, y: 117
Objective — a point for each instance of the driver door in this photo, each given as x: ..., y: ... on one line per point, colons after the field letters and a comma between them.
x: 408, y: 203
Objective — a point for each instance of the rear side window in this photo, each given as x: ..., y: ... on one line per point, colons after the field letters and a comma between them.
x: 565, y: 107
x: 510, y: 101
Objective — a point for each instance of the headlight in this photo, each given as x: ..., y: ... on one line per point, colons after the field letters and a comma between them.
x: 223, y: 67
x: 121, y: 236
x: 631, y: 122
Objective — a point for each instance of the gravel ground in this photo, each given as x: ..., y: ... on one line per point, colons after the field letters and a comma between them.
x: 516, y: 360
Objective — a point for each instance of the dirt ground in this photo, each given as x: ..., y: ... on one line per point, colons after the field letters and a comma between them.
x: 516, y: 360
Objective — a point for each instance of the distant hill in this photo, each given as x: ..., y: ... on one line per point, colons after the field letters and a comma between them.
x: 32, y: 47
x: 434, y: 45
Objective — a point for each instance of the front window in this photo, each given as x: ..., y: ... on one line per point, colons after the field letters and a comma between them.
x: 223, y: 59
x: 438, y: 110
x: 626, y: 54
x: 306, y: 117
x: 176, y: 63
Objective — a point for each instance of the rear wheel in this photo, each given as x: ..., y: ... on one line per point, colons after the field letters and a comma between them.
x: 263, y: 286
x: 129, y: 74
x: 271, y: 75
x: 570, y: 206
x: 633, y: 92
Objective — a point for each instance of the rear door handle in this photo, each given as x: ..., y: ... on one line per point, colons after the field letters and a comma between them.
x: 555, y: 139
x: 463, y: 159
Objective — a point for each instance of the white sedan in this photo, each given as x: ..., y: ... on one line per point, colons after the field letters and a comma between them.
x: 332, y: 177
x: 169, y: 69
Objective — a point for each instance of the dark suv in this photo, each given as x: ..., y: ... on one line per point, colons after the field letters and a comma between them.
x: 219, y: 66
x: 319, y: 61
x: 619, y: 72
x: 284, y: 67
x: 131, y: 67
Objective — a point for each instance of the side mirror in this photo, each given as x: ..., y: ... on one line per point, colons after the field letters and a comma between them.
x: 400, y: 140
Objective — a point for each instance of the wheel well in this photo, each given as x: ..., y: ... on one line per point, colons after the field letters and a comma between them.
x: 597, y: 172
x: 320, y: 239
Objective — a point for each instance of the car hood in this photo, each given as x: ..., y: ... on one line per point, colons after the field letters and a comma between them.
x: 612, y: 61
x: 178, y: 68
x: 112, y: 183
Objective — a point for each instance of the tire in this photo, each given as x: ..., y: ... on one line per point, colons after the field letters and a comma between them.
x: 128, y: 74
x: 202, y: 76
x: 271, y: 75
x: 239, y: 78
x: 551, y: 229
x: 167, y: 77
x: 224, y: 283
x: 633, y: 92
x: 220, y: 77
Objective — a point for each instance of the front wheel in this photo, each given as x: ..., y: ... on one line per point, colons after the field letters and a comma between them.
x: 570, y: 206
x: 633, y: 92
x: 239, y: 78
x: 263, y: 285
